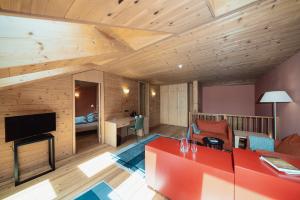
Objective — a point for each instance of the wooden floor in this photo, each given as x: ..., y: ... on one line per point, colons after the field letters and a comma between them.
x: 86, y: 140
x: 173, y: 131
x: 83, y: 170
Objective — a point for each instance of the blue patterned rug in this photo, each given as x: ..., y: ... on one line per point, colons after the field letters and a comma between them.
x: 132, y: 157
x: 101, y: 191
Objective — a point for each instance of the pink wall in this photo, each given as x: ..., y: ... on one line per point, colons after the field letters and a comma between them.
x: 283, y: 77
x: 88, y: 96
x: 235, y: 99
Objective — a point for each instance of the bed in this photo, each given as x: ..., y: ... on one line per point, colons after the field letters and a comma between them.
x: 86, y: 123
x: 89, y: 126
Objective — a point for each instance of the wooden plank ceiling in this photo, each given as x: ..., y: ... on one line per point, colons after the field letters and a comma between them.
x: 159, y: 15
x: 214, y: 40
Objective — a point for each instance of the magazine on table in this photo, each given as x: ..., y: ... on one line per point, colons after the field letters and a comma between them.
x: 281, y: 165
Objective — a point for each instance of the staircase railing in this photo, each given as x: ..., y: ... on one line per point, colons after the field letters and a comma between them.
x: 259, y: 124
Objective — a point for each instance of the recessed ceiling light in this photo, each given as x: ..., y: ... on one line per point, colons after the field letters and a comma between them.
x: 180, y: 66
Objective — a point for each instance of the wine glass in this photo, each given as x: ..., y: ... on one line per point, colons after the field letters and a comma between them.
x: 194, y: 147
x: 184, y: 145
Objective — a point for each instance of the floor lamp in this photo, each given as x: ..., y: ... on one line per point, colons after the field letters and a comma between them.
x: 275, y: 97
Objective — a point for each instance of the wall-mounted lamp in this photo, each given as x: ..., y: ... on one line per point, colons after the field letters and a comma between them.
x: 126, y: 91
x: 77, y: 94
x: 153, y: 93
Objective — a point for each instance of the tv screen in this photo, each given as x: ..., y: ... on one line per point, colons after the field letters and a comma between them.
x: 19, y: 127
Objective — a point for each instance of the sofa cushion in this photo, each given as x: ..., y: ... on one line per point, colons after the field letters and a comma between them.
x: 294, y: 138
x: 290, y: 145
x: 80, y: 120
x: 91, y: 117
x: 195, y: 129
x: 261, y: 143
x: 220, y: 127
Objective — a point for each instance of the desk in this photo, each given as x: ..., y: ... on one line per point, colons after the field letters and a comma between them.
x: 255, y: 179
x: 207, y: 174
x: 112, y: 126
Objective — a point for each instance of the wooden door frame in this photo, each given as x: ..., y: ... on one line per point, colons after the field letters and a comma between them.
x: 147, y: 91
x: 92, y: 76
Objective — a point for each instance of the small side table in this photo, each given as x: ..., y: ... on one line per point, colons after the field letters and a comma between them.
x: 213, y: 142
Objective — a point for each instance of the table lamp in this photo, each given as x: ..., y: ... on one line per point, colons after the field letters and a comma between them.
x: 275, y: 97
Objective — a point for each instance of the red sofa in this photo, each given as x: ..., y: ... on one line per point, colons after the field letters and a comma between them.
x: 218, y: 129
x: 289, y: 145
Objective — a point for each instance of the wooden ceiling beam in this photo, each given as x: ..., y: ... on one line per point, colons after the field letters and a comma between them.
x: 24, y: 69
x: 32, y: 41
x: 14, y: 81
x: 35, y: 48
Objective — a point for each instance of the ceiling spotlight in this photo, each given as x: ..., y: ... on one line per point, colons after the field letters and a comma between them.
x: 180, y: 66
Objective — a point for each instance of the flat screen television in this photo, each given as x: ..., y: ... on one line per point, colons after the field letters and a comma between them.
x: 19, y: 127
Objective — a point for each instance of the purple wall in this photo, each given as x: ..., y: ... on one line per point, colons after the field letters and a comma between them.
x: 283, y: 77
x: 235, y: 99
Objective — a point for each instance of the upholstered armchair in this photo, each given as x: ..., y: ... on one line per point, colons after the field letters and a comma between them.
x: 218, y: 129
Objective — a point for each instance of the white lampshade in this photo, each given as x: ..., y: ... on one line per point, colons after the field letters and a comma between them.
x: 276, y: 96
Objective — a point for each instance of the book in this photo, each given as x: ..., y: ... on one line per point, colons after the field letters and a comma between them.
x: 280, y: 165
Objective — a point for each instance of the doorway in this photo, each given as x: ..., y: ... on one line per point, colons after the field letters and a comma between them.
x: 86, y: 115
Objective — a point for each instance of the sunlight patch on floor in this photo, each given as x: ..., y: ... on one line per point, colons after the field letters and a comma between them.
x: 97, y: 164
x: 43, y: 190
x: 134, y: 187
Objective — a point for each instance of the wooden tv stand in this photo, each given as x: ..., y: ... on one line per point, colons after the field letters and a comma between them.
x: 31, y: 140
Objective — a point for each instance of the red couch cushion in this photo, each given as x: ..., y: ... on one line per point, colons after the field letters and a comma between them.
x: 290, y: 145
x: 219, y: 127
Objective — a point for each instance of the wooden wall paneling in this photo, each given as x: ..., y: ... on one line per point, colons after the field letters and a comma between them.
x: 173, y: 104
x: 182, y: 104
x: 116, y: 102
x: 45, y: 96
x: 164, y: 104
x: 154, y: 105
